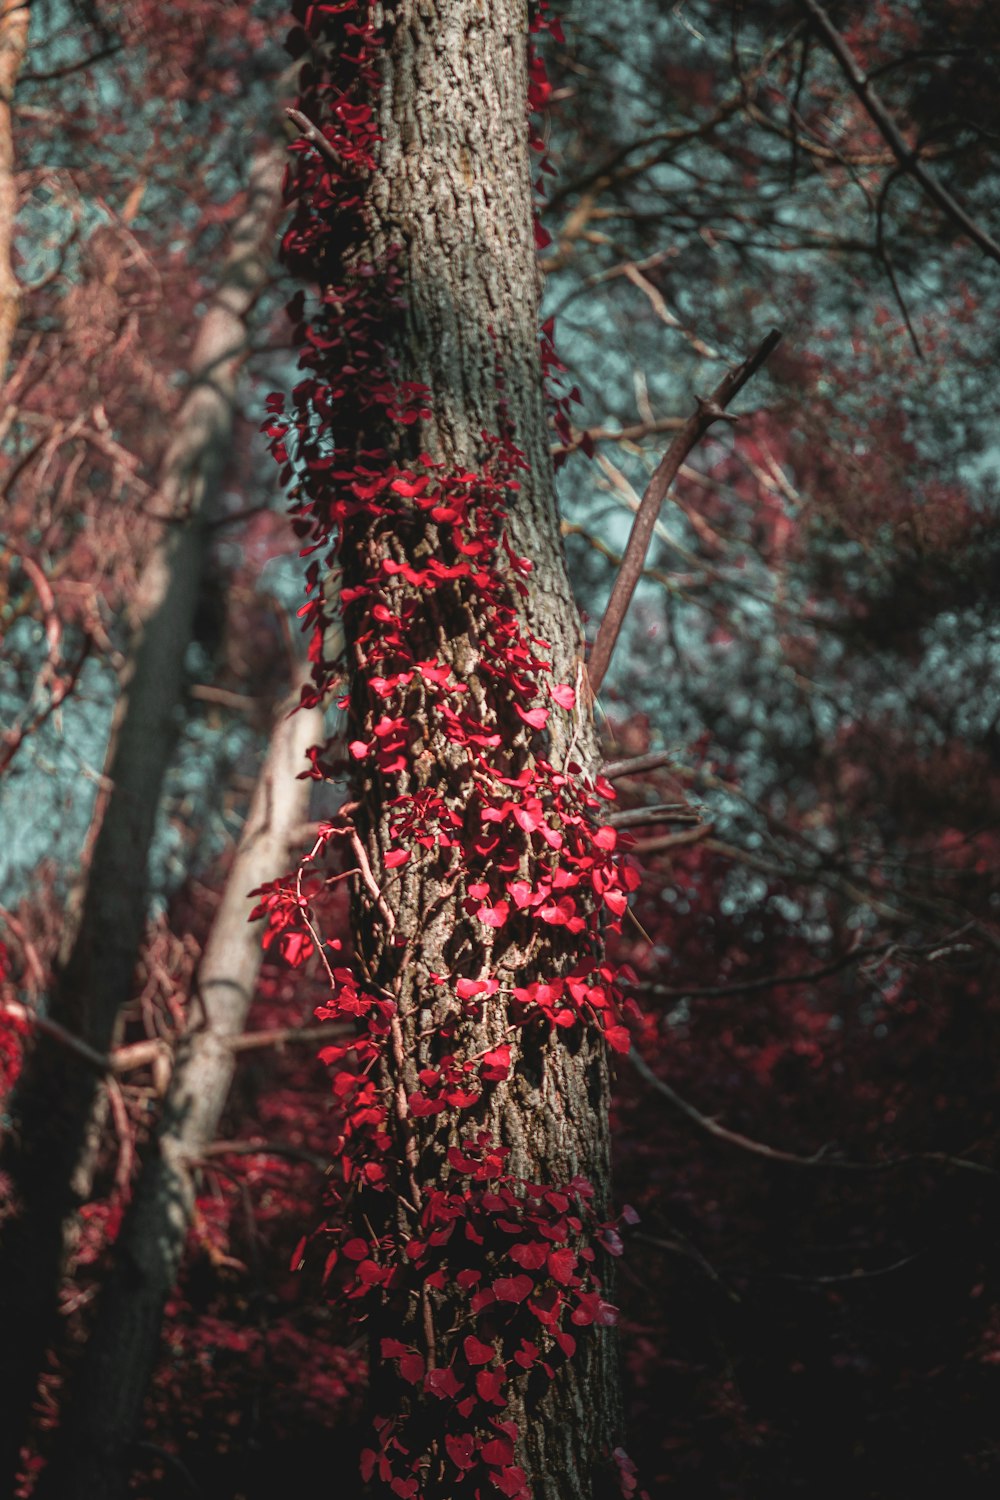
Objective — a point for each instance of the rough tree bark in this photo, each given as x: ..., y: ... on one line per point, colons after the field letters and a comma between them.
x: 102, y: 1413
x: 15, y: 17
x: 47, y: 1152
x: 449, y: 207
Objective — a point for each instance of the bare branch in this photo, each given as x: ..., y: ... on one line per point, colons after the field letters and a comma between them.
x: 632, y: 434
x: 710, y: 409
x: 17, y: 1012
x: 657, y: 812
x: 792, y: 1158
x: 135, y: 1055
x: 315, y: 137
x: 673, y: 840
x: 772, y: 981
x: 262, y: 1148
x: 908, y: 159
x: 12, y: 739
x: 634, y: 765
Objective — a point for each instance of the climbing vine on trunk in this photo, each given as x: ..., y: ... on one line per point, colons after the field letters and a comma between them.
x: 468, y: 1221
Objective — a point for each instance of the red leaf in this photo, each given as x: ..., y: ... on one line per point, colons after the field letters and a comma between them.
x: 536, y: 717
x: 295, y: 947
x: 476, y: 1352
x: 530, y: 1255
x: 465, y: 989
x: 395, y: 858
x: 612, y: 1241
x: 489, y: 1384
x: 564, y: 695
x: 513, y: 1288
x: 496, y: 1064
x: 442, y: 1383
x: 512, y: 1481
x: 498, y: 1453
x: 494, y: 916
x: 617, y: 1038
x: 562, y: 1264
x: 411, y: 1367
x: 461, y: 1449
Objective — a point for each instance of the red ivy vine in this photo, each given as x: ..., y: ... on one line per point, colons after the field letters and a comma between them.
x: 525, y: 848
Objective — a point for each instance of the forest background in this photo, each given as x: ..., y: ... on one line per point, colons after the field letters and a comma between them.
x: 802, y: 719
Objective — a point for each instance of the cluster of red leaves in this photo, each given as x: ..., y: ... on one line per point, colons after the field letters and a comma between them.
x: 516, y: 1320
x: 524, y: 850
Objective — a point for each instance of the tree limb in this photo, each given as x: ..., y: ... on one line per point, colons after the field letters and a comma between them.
x: 792, y: 1158
x: 710, y: 409
x: 908, y: 159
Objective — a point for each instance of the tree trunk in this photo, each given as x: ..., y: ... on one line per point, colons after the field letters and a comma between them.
x: 47, y: 1152
x: 15, y: 18
x: 445, y: 256
x: 103, y: 1411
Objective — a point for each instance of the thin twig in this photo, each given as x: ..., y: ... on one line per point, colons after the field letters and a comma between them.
x: 582, y: 435
x: 315, y: 137
x: 771, y: 981
x: 59, y: 1034
x: 280, y: 1036
x: 673, y: 840
x: 634, y: 765
x: 262, y: 1148
x: 139, y: 1054
x: 710, y: 409
x: 886, y: 259
x: 792, y: 1158
x: 659, y: 812
x: 908, y: 159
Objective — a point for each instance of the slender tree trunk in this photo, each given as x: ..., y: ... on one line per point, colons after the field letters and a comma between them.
x: 49, y: 1148
x: 15, y: 18
x: 448, y: 223
x: 104, y: 1408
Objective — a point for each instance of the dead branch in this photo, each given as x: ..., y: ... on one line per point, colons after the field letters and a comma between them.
x: 135, y: 1055
x: 673, y: 840
x: 634, y: 765
x: 315, y: 137
x: 631, y: 434
x: 908, y: 158
x: 710, y: 409
x: 658, y: 812
x: 262, y: 1148
x: 819, y: 1158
